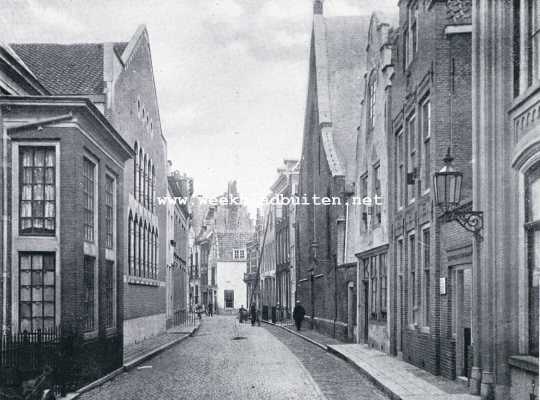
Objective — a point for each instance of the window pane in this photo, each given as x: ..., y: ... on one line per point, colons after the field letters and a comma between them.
x: 534, y: 200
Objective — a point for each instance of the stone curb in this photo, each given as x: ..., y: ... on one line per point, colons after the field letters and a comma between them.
x: 314, y: 342
x: 129, y: 366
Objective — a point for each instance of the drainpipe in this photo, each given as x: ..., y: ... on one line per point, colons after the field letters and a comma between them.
x: 4, y: 227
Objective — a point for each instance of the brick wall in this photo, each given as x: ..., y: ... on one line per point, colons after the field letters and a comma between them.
x: 441, y: 69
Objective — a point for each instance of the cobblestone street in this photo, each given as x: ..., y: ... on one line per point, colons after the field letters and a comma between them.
x: 267, y: 363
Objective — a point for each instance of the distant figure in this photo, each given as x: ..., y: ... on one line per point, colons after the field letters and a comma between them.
x: 253, y: 313
x: 210, y: 309
x: 242, y: 314
x: 298, y: 315
x: 199, y: 310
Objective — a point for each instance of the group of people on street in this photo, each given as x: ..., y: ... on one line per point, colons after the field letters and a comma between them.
x: 298, y: 314
x: 200, y: 309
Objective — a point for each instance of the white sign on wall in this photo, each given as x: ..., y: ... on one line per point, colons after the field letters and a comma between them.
x: 442, y: 284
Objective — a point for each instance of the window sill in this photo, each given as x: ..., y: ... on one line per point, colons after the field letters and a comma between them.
x: 525, y: 363
x: 425, y: 329
x: 90, y: 335
x: 133, y: 280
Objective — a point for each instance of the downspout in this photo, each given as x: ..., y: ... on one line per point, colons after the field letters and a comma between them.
x: 4, y: 227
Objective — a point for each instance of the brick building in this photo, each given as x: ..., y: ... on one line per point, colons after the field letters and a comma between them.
x: 63, y: 204
x: 367, y: 228
x: 178, y: 227
x: 118, y: 78
x: 277, y: 276
x: 430, y: 112
x: 222, y: 241
x: 337, y: 65
x: 506, y: 150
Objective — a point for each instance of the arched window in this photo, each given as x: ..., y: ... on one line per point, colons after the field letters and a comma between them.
x: 148, y: 253
x: 144, y: 197
x: 139, y: 248
x: 156, y: 253
x: 152, y: 253
x: 148, y: 184
x: 153, y: 189
x: 136, y: 245
x: 532, y: 226
x: 139, y: 178
x: 130, y: 244
x: 136, y: 171
x: 372, y: 85
x: 145, y: 250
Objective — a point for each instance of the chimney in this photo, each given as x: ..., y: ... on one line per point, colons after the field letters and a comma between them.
x: 318, y: 7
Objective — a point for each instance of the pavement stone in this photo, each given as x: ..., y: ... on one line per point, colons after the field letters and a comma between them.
x: 211, y: 365
x: 403, y: 380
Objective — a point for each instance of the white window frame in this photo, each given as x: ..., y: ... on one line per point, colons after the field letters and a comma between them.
x: 41, y: 244
x: 423, y: 299
x: 411, y: 297
x: 110, y: 254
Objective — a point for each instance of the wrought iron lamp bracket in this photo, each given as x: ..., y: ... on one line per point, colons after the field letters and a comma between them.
x: 473, y: 221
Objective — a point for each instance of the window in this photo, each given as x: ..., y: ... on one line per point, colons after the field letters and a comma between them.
x: 136, y: 173
x: 140, y: 249
x: 148, y: 187
x: 372, y: 84
x: 140, y: 177
x: 144, y: 196
x: 532, y: 226
x: 533, y: 37
x: 109, y: 212
x: 412, y: 284
x: 89, y: 203
x: 400, y: 157
x: 131, y: 247
x: 410, y: 34
x: 426, y: 240
x: 383, y: 284
x: 156, y: 254
x: 152, y: 205
x: 144, y: 250
x: 364, y: 193
x: 88, y: 300
x: 239, y: 254
x: 37, y: 284
x: 37, y: 188
x: 411, y: 124
x: 426, y: 137
x: 373, y: 287
x: 108, y: 294
x: 377, y: 194
x: 399, y: 256
x: 229, y: 298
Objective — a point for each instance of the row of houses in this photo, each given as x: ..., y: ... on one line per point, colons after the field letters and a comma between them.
x: 86, y: 243
x: 421, y: 128
x: 222, y: 228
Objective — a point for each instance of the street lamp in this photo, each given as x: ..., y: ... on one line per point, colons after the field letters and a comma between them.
x: 447, y: 186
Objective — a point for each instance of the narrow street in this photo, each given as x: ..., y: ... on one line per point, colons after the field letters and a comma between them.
x: 268, y: 363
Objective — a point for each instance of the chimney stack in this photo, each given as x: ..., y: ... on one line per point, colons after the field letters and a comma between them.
x: 318, y: 7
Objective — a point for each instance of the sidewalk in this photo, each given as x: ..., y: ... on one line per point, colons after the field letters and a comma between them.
x: 137, y: 353
x: 398, y: 379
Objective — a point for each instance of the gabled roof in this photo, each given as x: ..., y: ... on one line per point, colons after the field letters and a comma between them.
x: 65, y: 69
x: 338, y: 55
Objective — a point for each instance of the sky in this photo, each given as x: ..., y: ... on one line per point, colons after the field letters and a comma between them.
x: 231, y: 75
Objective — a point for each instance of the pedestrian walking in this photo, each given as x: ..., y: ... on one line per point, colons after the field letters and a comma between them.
x: 210, y: 309
x: 253, y: 313
x: 199, y: 311
x: 298, y: 315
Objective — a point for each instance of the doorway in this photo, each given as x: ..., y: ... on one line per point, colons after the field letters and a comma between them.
x: 351, y: 310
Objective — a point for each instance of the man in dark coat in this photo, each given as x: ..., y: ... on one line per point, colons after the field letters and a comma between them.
x: 210, y: 309
x: 253, y: 313
x: 298, y: 315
